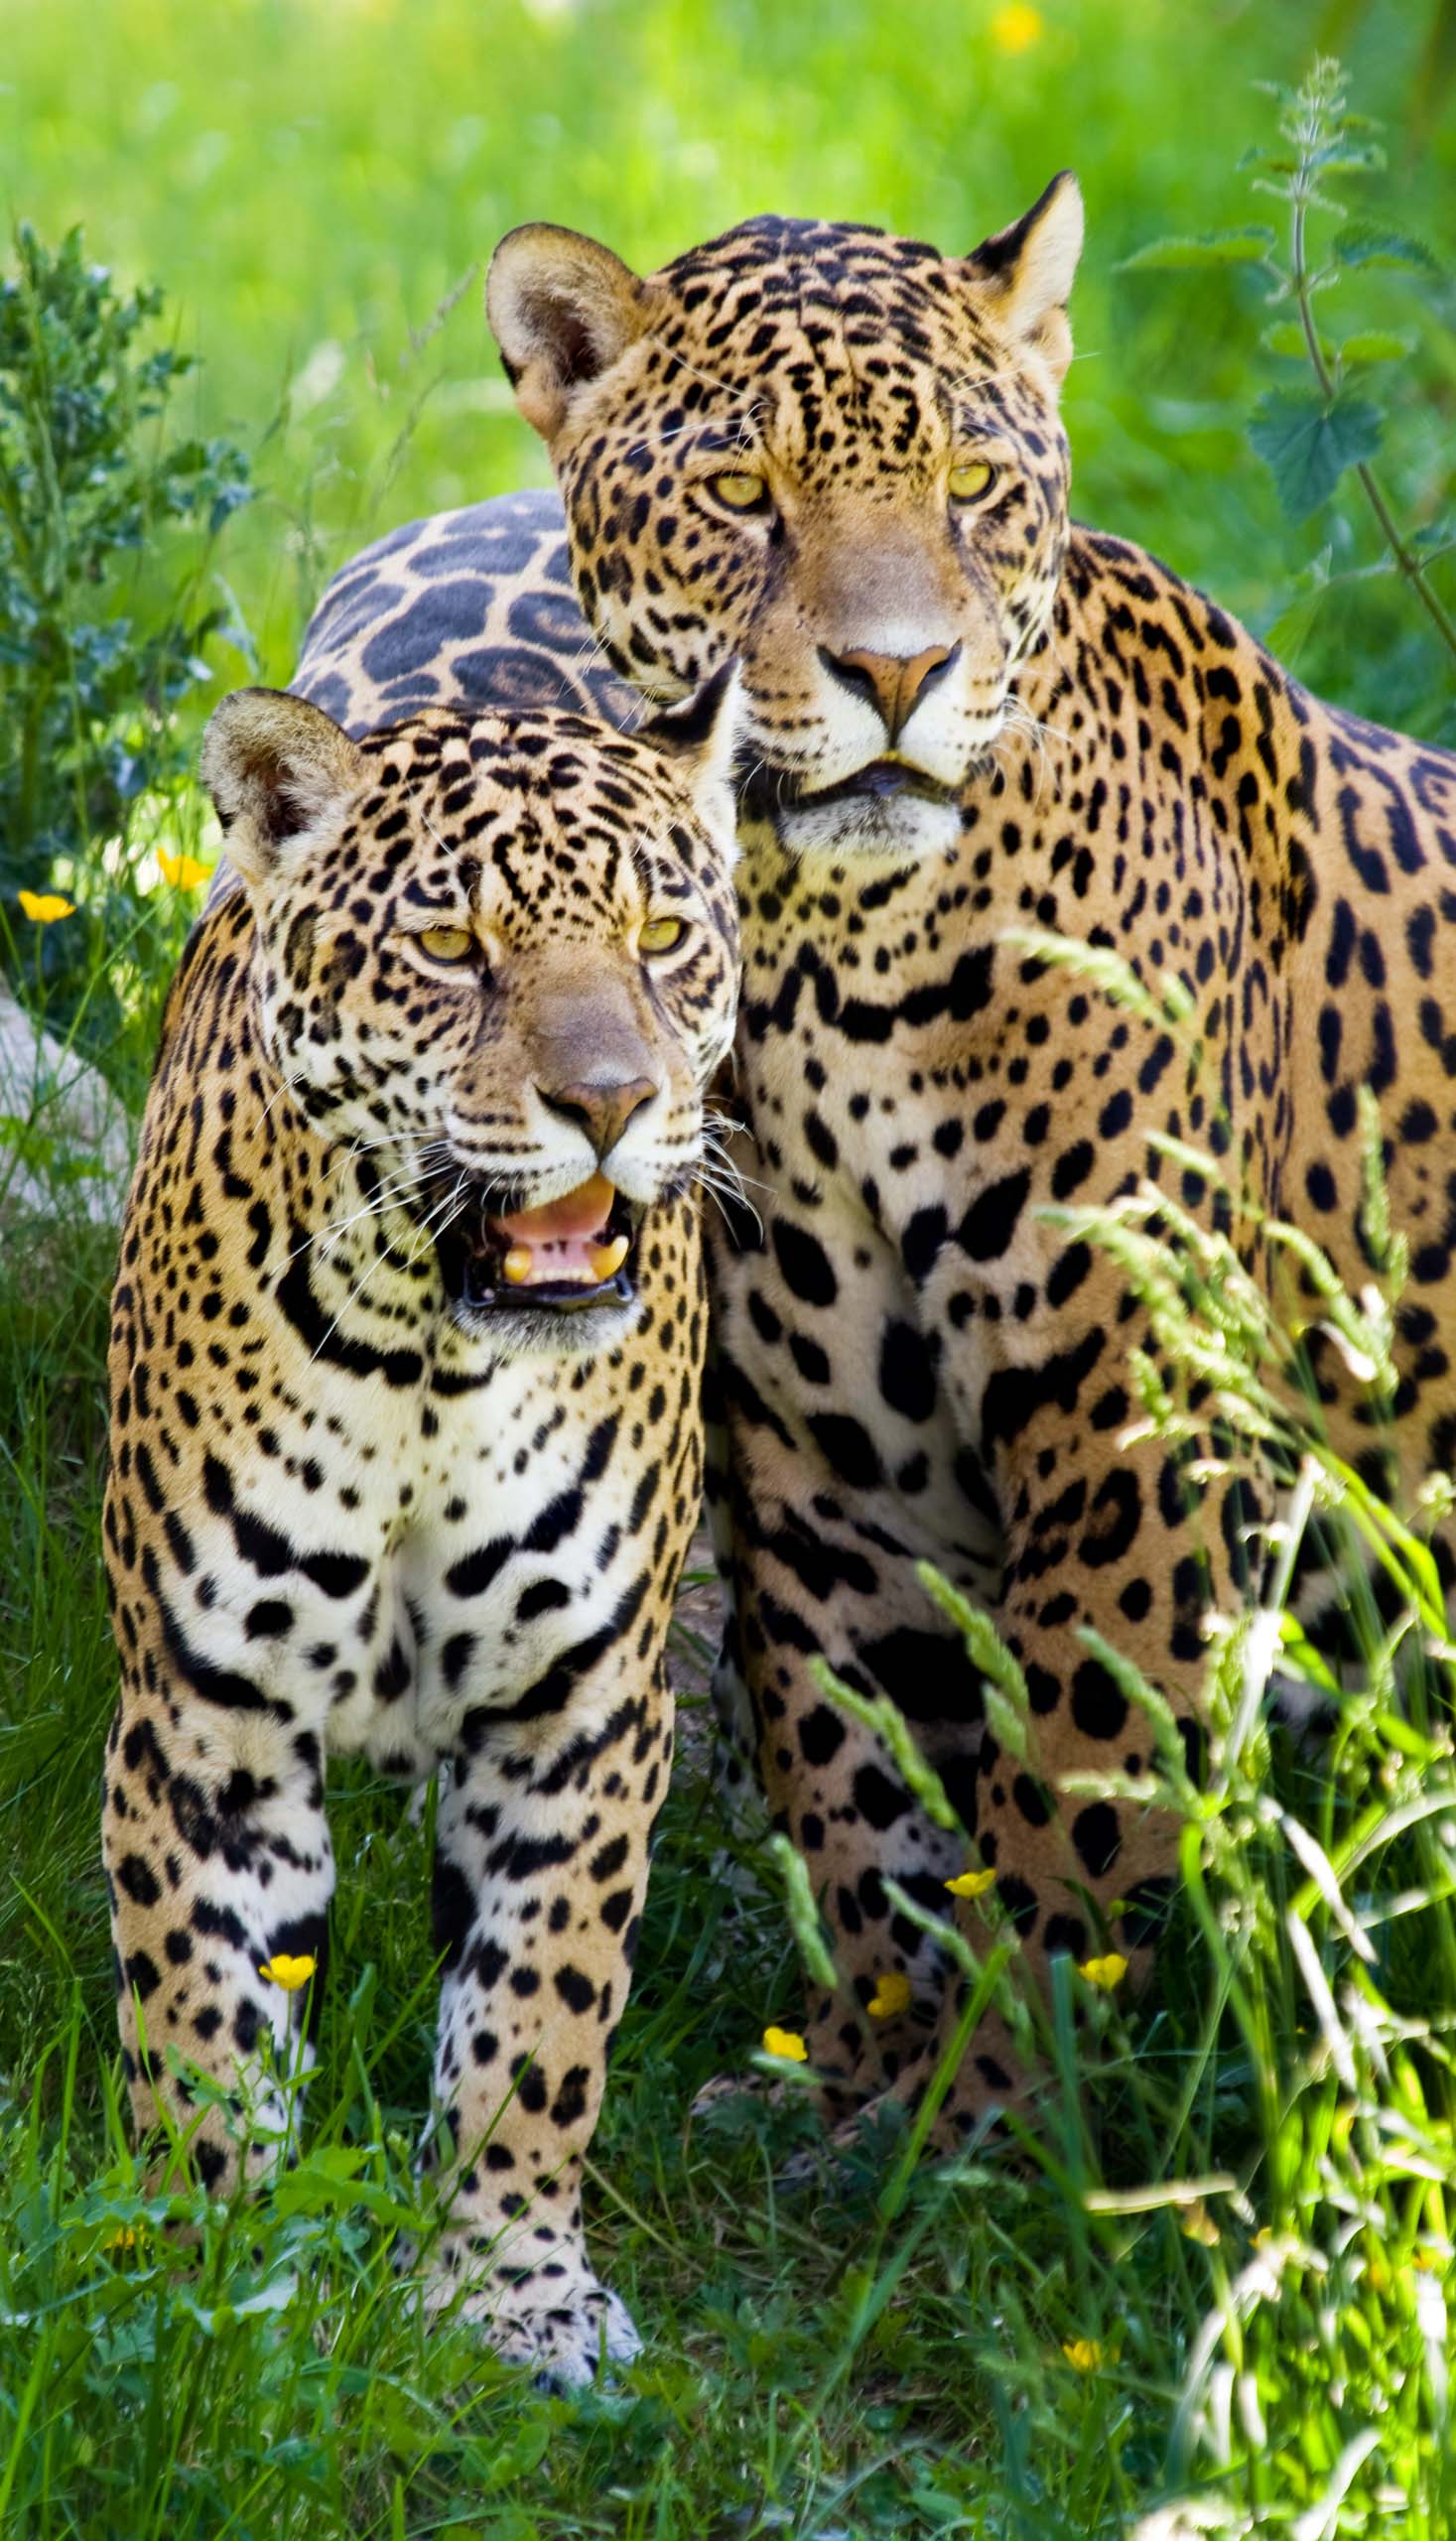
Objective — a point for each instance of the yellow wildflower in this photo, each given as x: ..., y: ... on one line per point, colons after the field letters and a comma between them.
x: 288, y: 1972
x: 892, y: 1995
x: 184, y: 871
x: 1197, y: 2224
x: 46, y: 906
x: 786, y: 2042
x: 124, y: 2241
x: 1084, y: 2354
x: 971, y: 1883
x: 1016, y: 28
x: 1105, y: 1973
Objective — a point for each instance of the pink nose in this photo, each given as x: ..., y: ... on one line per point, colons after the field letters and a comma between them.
x: 892, y: 682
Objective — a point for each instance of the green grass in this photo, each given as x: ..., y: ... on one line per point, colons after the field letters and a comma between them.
x: 1241, y: 2225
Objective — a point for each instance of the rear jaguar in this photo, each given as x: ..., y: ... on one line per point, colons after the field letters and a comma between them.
x: 837, y: 458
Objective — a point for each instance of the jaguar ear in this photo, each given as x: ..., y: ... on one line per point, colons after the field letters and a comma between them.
x: 273, y: 764
x: 1030, y: 268
x: 702, y: 735
x: 562, y: 309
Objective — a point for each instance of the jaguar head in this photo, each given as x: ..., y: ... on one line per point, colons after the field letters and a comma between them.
x: 494, y: 965
x: 832, y: 455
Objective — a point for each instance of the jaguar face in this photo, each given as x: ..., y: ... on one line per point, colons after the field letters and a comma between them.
x: 832, y: 455
x: 494, y: 965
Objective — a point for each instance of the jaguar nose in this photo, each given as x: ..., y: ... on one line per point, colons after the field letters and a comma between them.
x: 894, y: 683
x: 603, y: 1110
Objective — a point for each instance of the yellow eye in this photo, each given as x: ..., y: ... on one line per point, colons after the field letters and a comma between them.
x: 446, y: 943
x: 740, y: 492
x: 971, y: 478
x: 660, y: 934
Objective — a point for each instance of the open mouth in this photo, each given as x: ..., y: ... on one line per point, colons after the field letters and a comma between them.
x: 884, y: 780
x: 574, y: 1253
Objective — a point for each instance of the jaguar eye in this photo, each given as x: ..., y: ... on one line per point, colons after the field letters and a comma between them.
x: 740, y: 492
x: 971, y: 478
x: 660, y: 934
x: 446, y: 943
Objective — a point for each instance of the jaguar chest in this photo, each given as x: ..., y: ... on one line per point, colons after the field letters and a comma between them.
x: 437, y: 1560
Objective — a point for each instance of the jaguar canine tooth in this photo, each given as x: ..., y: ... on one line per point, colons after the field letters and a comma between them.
x: 608, y: 1258
x: 517, y: 1265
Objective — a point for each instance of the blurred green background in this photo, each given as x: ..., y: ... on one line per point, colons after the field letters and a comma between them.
x: 317, y: 183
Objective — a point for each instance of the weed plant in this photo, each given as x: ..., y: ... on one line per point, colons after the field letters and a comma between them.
x: 107, y: 525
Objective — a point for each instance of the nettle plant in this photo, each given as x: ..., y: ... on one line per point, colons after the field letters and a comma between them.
x: 1326, y: 427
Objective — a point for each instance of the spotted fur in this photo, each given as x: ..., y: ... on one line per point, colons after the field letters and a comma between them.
x: 352, y: 1508
x: 966, y: 717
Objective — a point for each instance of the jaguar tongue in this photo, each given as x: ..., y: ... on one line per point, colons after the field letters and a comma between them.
x: 567, y: 1241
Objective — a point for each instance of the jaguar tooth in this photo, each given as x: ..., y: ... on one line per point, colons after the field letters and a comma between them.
x: 608, y: 1258
x: 518, y: 1264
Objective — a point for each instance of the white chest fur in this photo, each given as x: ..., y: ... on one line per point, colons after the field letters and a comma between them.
x: 429, y: 1556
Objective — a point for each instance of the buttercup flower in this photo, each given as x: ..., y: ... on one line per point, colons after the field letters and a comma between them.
x: 46, y: 906
x: 1105, y: 1973
x: 971, y: 1883
x: 288, y: 1972
x: 124, y: 2241
x: 892, y: 1995
x: 1016, y: 28
x: 1197, y: 2224
x: 184, y: 871
x: 786, y: 2042
x: 1083, y: 2355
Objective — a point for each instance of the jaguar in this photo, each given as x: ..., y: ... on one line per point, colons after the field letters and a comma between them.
x: 970, y: 725
x: 406, y: 1447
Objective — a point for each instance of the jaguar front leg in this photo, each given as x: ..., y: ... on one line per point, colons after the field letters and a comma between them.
x: 541, y: 1869
x: 218, y: 1866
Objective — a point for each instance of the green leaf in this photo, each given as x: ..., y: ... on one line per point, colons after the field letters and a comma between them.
x: 1364, y: 242
x: 1376, y: 343
x: 1249, y: 246
x: 1288, y: 634
x: 325, y: 2183
x: 1339, y: 157
x: 1308, y: 443
x: 215, y: 2320
x: 1287, y: 341
x: 498, y: 2464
